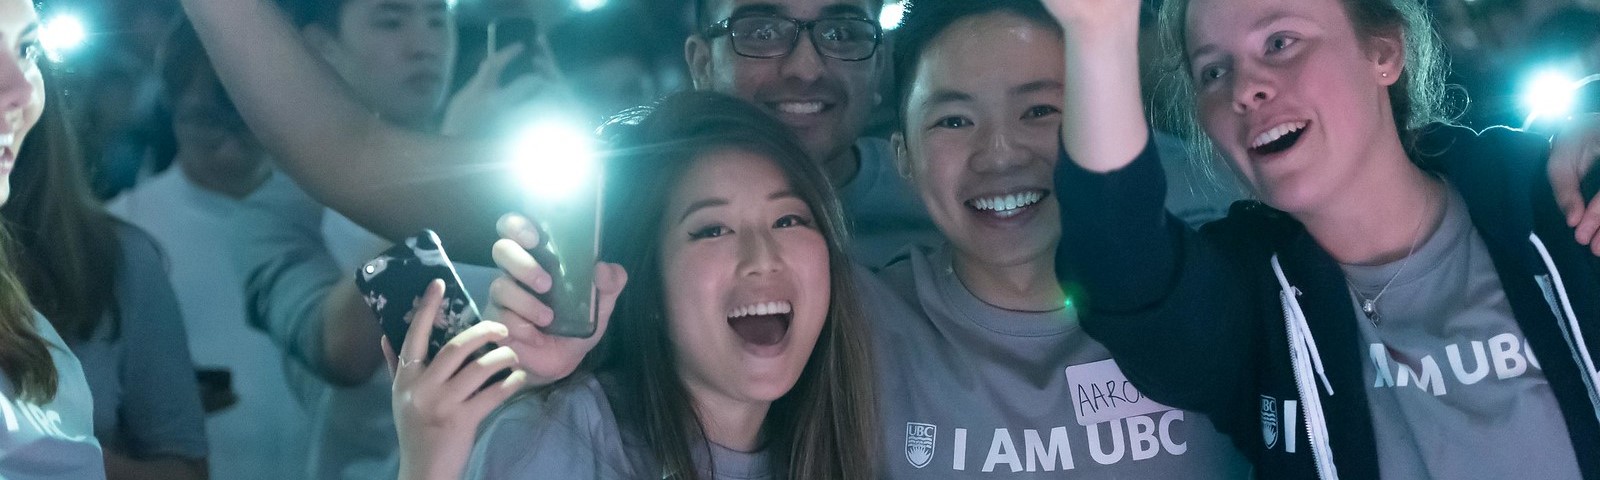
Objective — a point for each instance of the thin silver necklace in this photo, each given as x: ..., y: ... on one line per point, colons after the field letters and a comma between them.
x: 1369, y: 307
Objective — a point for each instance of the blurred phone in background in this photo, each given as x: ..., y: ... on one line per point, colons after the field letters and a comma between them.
x: 508, y: 31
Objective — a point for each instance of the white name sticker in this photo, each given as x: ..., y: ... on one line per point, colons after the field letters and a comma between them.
x: 1101, y: 393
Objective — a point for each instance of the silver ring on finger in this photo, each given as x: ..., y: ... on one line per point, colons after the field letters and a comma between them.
x: 406, y: 362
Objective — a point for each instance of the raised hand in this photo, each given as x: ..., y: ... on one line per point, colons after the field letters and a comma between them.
x: 1573, y: 155
x: 547, y: 358
x: 1090, y: 13
x: 483, y: 105
x: 1103, y: 127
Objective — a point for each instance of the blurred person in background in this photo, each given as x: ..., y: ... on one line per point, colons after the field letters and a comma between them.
x: 102, y: 284
x: 297, y: 259
x: 610, y: 57
x: 825, y: 92
x: 395, y: 55
x: 118, y: 88
x: 216, y: 164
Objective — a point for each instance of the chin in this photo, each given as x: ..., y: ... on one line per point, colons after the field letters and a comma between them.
x: 770, y: 386
x: 1295, y: 196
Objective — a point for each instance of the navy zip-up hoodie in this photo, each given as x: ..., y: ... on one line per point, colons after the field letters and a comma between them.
x: 1198, y: 320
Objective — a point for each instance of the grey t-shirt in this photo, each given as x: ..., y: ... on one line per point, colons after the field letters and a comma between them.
x: 1455, y: 391
x: 883, y: 211
x: 969, y: 390
x: 572, y: 433
x: 146, y: 398
x: 56, y: 439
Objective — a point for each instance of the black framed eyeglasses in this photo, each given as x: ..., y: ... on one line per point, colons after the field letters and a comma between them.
x: 772, y: 36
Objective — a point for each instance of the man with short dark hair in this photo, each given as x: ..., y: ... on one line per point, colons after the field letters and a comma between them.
x: 395, y: 55
x: 816, y: 65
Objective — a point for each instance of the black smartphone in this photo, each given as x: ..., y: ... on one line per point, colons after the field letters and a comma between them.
x: 507, y: 31
x: 393, y: 283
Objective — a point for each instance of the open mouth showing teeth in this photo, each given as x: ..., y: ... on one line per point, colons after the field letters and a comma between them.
x: 1007, y: 205
x: 1278, y: 139
x: 800, y: 108
x: 762, y: 324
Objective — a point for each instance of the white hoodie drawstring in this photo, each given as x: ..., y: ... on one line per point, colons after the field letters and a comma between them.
x: 1303, y: 349
x: 1570, y: 327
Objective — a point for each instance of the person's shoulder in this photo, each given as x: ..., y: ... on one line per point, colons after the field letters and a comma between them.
x: 567, y: 430
x: 902, y: 271
x: 875, y: 148
x: 578, y: 405
x: 896, y: 291
x: 156, y: 188
x: 140, y: 251
x: 877, y: 170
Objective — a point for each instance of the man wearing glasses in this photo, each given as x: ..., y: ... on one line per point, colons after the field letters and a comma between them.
x: 815, y: 65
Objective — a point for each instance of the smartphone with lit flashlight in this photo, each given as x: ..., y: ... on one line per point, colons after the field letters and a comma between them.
x: 507, y: 31
x: 569, y: 245
x: 392, y: 285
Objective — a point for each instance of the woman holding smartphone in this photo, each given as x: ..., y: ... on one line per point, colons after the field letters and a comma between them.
x: 1391, y: 308
x: 738, y: 350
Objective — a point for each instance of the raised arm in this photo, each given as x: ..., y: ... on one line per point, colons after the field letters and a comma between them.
x: 388, y: 179
x: 1166, y: 303
x: 1105, y: 128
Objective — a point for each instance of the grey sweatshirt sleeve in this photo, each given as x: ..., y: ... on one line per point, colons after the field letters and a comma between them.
x: 160, y: 410
x: 287, y: 273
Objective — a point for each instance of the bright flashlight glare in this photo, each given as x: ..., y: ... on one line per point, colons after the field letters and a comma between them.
x: 1550, y: 94
x: 554, y: 159
x: 893, y: 12
x: 61, y: 35
x: 589, y: 5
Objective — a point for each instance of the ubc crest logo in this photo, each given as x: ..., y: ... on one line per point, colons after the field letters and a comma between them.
x: 919, y: 443
x: 1269, y: 420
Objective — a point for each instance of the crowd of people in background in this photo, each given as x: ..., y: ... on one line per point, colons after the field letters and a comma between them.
x: 849, y: 239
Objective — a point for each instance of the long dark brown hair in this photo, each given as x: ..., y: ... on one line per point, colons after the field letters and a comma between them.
x: 24, y: 354
x: 66, y: 244
x: 824, y: 427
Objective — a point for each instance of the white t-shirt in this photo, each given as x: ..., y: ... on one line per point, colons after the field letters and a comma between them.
x: 263, y: 436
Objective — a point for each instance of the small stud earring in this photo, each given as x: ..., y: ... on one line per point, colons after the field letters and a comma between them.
x: 1385, y: 74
